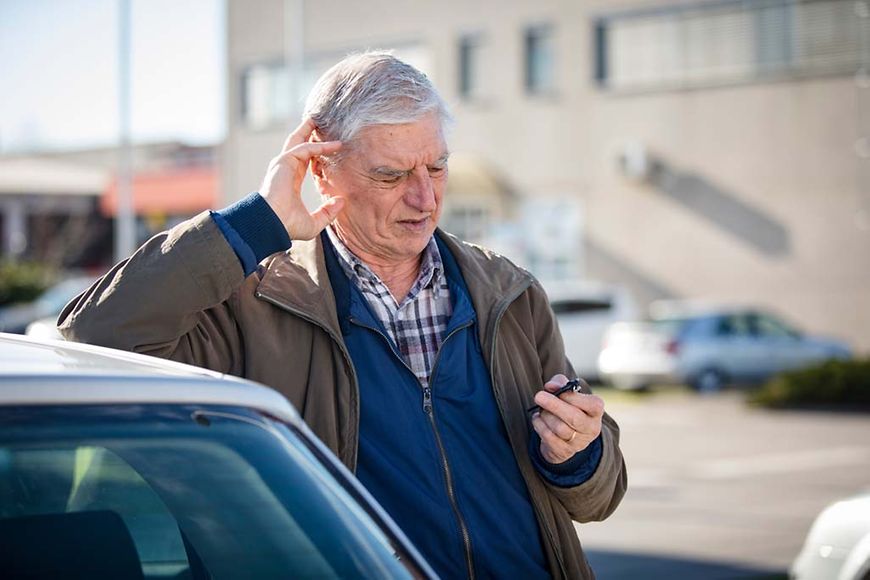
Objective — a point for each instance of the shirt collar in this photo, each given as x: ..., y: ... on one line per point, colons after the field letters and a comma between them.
x: 431, y: 267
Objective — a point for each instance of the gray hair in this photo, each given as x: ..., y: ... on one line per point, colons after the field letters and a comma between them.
x: 371, y: 88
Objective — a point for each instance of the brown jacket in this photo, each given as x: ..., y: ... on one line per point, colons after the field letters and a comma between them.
x: 183, y: 296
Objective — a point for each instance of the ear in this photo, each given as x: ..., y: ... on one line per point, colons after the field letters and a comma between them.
x: 317, y: 168
x: 318, y: 171
x: 315, y: 165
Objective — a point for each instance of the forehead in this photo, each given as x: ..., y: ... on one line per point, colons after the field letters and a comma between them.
x: 402, y: 146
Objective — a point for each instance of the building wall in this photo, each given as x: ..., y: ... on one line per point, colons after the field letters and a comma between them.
x: 756, y: 193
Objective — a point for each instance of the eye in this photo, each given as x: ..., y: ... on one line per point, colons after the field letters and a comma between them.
x: 389, y: 179
x: 386, y: 177
x: 437, y: 170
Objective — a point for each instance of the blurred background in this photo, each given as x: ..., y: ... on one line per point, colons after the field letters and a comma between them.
x: 689, y: 179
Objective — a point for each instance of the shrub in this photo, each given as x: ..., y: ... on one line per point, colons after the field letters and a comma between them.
x: 834, y: 383
x: 22, y: 282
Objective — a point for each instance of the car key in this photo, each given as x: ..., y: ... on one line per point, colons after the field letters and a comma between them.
x: 573, y: 386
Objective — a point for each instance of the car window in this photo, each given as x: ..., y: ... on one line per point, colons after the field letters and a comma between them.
x: 735, y: 325
x: 580, y: 306
x: 40, y: 485
x: 768, y: 326
x: 179, y: 492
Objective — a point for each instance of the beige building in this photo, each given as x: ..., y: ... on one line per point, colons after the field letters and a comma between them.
x: 684, y: 149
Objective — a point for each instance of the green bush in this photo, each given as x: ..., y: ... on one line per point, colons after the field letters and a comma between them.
x: 835, y: 383
x: 22, y: 282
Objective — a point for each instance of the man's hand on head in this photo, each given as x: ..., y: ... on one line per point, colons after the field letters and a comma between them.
x: 566, y: 424
x: 282, y: 186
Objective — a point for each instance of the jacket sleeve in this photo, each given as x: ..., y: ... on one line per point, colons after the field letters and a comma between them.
x: 172, y: 298
x: 597, y: 497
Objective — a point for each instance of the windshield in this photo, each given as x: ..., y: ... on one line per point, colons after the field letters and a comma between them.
x: 179, y: 492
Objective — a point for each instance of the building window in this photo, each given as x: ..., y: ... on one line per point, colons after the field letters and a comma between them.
x: 540, y: 60
x: 470, y: 66
x: 266, y: 95
x: 730, y: 41
x: 272, y: 95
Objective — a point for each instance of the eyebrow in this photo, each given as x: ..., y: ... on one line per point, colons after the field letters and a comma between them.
x: 386, y: 171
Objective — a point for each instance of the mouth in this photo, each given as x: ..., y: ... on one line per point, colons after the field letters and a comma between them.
x: 416, y: 225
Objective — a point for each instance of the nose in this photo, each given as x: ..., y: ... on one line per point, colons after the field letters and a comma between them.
x: 420, y: 192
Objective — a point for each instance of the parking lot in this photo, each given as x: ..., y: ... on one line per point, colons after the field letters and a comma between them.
x: 720, y: 490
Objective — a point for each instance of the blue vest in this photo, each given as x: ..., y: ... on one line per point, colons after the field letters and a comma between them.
x: 400, y: 460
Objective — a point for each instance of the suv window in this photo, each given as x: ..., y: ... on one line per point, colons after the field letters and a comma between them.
x: 159, y: 491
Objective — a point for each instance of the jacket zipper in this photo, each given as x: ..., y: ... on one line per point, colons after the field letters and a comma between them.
x: 445, y: 464
x: 493, y: 334
x: 354, y: 381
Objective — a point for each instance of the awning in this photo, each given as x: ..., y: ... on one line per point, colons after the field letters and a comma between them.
x: 470, y: 176
x: 172, y: 192
x: 34, y: 176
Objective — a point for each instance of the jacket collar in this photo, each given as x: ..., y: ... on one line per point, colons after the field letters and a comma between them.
x: 493, y: 282
x: 298, y: 280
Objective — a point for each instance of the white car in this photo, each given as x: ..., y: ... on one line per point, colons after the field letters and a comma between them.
x: 584, y: 311
x: 115, y: 465
x: 707, y: 347
x: 838, y: 544
x: 44, y: 329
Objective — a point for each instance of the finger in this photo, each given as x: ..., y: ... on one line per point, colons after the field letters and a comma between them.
x: 558, y: 426
x: 299, y: 135
x: 564, y: 406
x: 306, y: 151
x: 553, y: 448
x: 304, y: 154
x: 576, y: 437
x: 298, y: 158
x: 556, y: 383
x: 592, y: 405
x: 573, y: 416
x: 327, y: 212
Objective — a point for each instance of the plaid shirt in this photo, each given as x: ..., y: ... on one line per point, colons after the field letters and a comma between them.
x: 417, y: 325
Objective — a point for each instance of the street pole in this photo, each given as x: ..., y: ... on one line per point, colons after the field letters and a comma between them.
x: 125, y: 219
x: 294, y: 52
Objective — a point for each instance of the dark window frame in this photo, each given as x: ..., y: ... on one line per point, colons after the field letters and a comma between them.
x: 535, y: 38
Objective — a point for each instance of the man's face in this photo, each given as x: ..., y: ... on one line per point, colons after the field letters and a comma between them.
x: 392, y: 179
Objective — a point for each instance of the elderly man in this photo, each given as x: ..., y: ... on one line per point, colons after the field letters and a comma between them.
x: 414, y: 356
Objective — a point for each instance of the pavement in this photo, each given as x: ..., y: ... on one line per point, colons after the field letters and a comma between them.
x: 718, y: 489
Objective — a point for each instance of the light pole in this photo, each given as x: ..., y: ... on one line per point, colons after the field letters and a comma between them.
x: 294, y: 51
x: 125, y: 218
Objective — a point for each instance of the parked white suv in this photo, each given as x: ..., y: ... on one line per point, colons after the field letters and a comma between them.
x: 584, y: 311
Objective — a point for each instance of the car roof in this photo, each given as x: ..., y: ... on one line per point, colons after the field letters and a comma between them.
x: 47, y: 372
